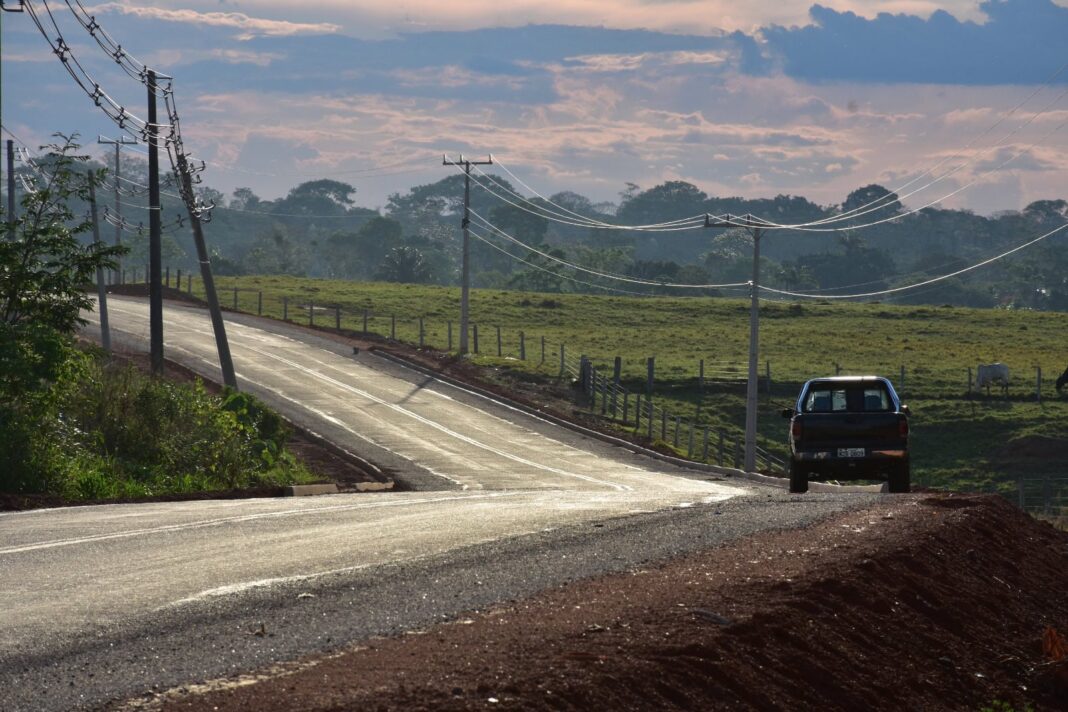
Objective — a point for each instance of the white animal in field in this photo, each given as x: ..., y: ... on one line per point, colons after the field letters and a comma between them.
x: 992, y: 373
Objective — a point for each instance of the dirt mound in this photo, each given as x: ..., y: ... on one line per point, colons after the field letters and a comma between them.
x: 922, y: 602
x: 1033, y: 447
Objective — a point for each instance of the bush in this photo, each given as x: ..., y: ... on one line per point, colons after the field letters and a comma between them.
x: 110, y: 431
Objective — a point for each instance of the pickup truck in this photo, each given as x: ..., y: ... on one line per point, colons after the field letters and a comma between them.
x: 849, y: 428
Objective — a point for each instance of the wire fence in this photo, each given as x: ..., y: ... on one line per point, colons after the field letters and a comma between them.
x: 645, y: 410
x: 642, y: 413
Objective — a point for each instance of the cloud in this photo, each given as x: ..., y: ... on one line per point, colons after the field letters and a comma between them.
x: 1021, y: 41
x: 249, y: 26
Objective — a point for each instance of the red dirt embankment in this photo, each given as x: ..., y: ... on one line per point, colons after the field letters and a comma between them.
x: 921, y: 602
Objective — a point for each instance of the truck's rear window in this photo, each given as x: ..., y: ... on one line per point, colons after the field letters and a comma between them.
x: 839, y: 399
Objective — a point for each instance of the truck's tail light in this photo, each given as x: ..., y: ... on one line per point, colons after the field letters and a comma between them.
x: 903, y: 427
x: 795, y: 429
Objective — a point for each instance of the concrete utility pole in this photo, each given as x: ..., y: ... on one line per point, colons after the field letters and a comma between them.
x: 101, y: 290
x: 118, y: 143
x: 10, y: 189
x: 751, y: 394
x: 155, y: 236
x: 465, y: 262
x: 226, y: 362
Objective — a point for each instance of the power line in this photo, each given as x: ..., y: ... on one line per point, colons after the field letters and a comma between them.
x: 933, y: 280
x: 597, y: 273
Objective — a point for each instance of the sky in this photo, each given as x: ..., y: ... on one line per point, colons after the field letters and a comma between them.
x: 747, y: 99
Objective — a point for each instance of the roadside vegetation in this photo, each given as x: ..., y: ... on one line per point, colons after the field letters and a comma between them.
x: 75, y: 425
x: 962, y: 439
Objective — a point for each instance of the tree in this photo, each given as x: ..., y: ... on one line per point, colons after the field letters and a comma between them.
x: 43, y: 272
x: 881, y: 202
x: 276, y: 253
x: 358, y: 254
x: 404, y: 264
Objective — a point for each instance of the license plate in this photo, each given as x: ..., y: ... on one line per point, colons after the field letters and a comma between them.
x: 850, y: 452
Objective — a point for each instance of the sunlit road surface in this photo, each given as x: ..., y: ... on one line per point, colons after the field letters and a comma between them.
x: 485, y: 472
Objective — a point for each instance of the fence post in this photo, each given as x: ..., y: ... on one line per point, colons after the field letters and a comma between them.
x: 637, y: 411
x: 474, y: 333
x: 663, y: 425
x: 617, y: 368
x: 626, y: 405
x: 167, y: 276
x: 259, y: 303
x: 285, y: 308
x: 678, y: 422
x: 651, y: 414
x: 582, y: 374
x: 421, y: 332
x: 337, y: 317
x: 365, y: 322
x: 522, y: 346
x: 837, y: 369
x: 235, y: 298
x: 311, y: 313
x: 767, y: 371
x: 604, y: 395
x: 593, y: 387
x: 561, y: 360
x: 189, y: 283
x: 689, y: 450
x: 450, y: 336
x: 393, y: 327
x: 177, y: 280
x: 704, y: 452
x: 543, y: 349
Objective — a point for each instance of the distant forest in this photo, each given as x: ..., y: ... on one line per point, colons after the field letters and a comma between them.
x: 318, y: 230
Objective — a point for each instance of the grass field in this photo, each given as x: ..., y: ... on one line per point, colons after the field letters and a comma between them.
x: 957, y: 434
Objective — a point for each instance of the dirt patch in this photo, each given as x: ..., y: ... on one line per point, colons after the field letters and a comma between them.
x: 901, y: 606
x: 1032, y: 447
x: 141, y: 290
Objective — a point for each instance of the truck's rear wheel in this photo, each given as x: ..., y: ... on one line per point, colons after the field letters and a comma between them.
x: 798, y: 479
x: 900, y: 478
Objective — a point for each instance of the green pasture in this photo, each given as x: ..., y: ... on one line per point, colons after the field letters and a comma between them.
x: 957, y: 433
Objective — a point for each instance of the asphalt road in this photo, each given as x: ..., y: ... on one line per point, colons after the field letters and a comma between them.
x: 103, y: 603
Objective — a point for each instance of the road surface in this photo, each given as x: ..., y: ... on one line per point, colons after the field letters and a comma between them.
x: 156, y: 593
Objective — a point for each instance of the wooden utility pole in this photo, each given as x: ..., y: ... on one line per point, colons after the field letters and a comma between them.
x: 155, y: 236
x: 101, y: 290
x: 751, y: 391
x: 465, y: 260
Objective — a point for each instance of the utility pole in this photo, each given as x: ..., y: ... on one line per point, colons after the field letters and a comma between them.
x: 10, y: 7
x: 118, y: 143
x: 101, y: 291
x: 10, y: 189
x: 226, y: 362
x: 751, y: 394
x: 155, y: 284
x: 465, y: 260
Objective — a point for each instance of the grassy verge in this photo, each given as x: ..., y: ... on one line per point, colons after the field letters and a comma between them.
x: 961, y: 438
x: 112, y: 432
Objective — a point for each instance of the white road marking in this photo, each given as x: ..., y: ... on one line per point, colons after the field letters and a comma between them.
x: 250, y: 517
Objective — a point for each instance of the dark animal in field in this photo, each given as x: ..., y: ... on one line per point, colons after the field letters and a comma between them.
x: 1062, y: 381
